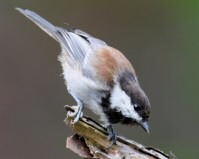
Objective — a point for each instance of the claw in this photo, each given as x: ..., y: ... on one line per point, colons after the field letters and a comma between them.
x: 77, y: 117
x: 74, y: 112
x: 111, y: 135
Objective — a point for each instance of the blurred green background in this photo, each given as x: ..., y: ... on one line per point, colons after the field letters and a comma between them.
x: 160, y: 38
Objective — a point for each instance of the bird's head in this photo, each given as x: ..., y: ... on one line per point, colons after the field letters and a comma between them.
x: 131, y: 101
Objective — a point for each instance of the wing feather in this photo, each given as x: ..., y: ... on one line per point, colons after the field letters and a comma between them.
x: 98, y: 61
x: 75, y: 43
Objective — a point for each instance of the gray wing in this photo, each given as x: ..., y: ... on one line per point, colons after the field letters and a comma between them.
x: 76, y: 43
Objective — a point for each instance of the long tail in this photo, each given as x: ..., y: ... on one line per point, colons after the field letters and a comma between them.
x: 41, y: 22
x: 75, y: 43
x: 72, y: 44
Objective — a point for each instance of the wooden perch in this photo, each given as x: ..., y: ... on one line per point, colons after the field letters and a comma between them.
x: 90, y: 141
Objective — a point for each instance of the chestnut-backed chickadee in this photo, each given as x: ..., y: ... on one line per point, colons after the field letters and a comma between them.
x: 98, y: 77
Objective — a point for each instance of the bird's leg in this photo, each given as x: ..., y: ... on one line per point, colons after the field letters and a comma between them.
x: 111, y: 135
x: 76, y: 114
x: 78, y: 111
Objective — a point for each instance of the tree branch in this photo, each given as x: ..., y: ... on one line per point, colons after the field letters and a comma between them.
x: 90, y: 141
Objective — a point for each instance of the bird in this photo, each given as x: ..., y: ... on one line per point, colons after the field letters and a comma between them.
x: 98, y: 76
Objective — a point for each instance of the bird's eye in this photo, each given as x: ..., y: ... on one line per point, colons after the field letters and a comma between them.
x: 137, y: 107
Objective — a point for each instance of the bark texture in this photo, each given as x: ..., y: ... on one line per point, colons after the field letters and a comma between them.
x: 91, y: 141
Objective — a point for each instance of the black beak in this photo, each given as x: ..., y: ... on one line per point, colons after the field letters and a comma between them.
x: 145, y: 126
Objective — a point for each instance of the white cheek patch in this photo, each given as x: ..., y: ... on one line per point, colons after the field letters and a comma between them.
x: 122, y: 102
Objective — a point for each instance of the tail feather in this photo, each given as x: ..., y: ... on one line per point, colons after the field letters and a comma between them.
x: 59, y: 34
x: 75, y: 43
x: 41, y: 22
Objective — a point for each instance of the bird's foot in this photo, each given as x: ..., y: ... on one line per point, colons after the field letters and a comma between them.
x: 112, y: 137
x: 74, y: 112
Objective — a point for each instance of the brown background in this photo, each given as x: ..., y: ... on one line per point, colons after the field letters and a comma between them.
x: 159, y: 37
